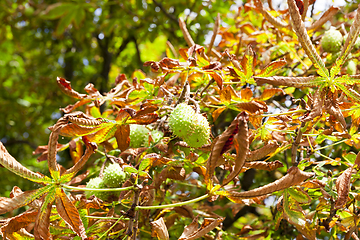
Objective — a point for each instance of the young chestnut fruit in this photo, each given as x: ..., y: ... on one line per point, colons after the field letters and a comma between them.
x: 192, y: 127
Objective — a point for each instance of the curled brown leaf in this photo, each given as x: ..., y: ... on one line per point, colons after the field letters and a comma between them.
x: 293, y: 177
x: 192, y: 231
x: 65, y: 87
x: 241, y: 144
x: 159, y: 229
x: 261, y: 153
x: 267, y: 166
x: 343, y: 187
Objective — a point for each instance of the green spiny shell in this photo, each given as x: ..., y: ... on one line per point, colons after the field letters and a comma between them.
x: 351, y: 68
x: 193, y: 128
x: 96, y: 183
x: 332, y: 41
x: 138, y: 133
x: 114, y: 176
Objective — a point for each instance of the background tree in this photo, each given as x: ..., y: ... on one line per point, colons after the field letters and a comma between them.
x: 283, y: 114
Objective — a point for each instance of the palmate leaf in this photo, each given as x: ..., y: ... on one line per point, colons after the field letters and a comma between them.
x: 14, y: 166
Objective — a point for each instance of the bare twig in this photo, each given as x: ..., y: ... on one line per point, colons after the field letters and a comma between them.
x: 215, y: 32
x: 168, y: 43
x: 295, y: 145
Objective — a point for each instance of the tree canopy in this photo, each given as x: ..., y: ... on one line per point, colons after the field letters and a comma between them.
x: 276, y: 109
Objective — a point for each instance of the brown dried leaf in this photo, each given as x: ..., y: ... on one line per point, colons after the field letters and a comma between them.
x: 145, y: 110
x: 192, y: 231
x: 144, y: 119
x: 218, y: 79
x: 241, y: 144
x: 65, y: 87
x: 122, y: 136
x: 246, y: 94
x: 217, y: 113
x: 20, y: 200
x: 219, y: 144
x: 343, y: 187
x: 304, y: 39
x: 316, y: 110
x: 352, y: 36
x: 69, y: 213
x: 42, y: 222
x: 76, y: 150
x: 253, y: 107
x: 185, y: 211
x: 159, y: 229
x: 14, y: 166
x: 44, y: 151
x: 267, y: 166
x: 277, y: 23
x: 14, y: 224
x: 324, y: 18
x: 261, y: 153
x: 176, y: 173
x: 297, y: 82
x: 332, y: 107
x: 294, y: 177
x: 90, y: 149
x: 225, y: 95
x: 269, y: 93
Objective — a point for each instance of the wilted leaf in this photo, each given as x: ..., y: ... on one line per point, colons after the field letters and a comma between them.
x: 253, y: 107
x: 241, y: 144
x: 218, y: 147
x: 192, y: 231
x: 159, y: 229
x: 316, y: 110
x: 269, y: 93
x: 343, y: 187
x: 299, y: 195
x: 144, y: 119
x: 69, y: 213
x: 14, y: 166
x: 218, y: 79
x: 271, y: 68
x: 122, y: 136
x: 23, y: 199
x: 65, y: 86
x: 267, y: 166
x: 217, y: 113
x: 176, y: 173
x: 76, y: 150
x: 22, y: 220
x: 42, y: 222
x: 262, y: 152
x: 294, y: 177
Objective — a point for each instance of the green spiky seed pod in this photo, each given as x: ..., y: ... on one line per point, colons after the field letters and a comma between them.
x: 137, y: 135
x: 96, y: 183
x: 114, y: 176
x: 351, y: 68
x: 185, y: 123
x: 332, y: 41
x: 156, y: 135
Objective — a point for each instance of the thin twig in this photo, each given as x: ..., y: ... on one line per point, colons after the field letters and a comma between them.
x: 215, y: 32
x: 295, y: 145
x: 168, y: 43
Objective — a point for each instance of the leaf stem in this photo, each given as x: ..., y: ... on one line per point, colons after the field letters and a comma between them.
x: 108, y: 218
x: 317, y: 149
x: 174, y: 204
x: 99, y: 190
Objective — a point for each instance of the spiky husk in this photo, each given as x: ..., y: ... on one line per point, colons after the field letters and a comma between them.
x: 332, y: 41
x: 114, y: 176
x: 138, y: 133
x: 193, y: 128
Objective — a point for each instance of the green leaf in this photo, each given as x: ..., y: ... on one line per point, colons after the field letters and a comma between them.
x: 299, y: 195
x: 57, y: 10
x: 295, y: 216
